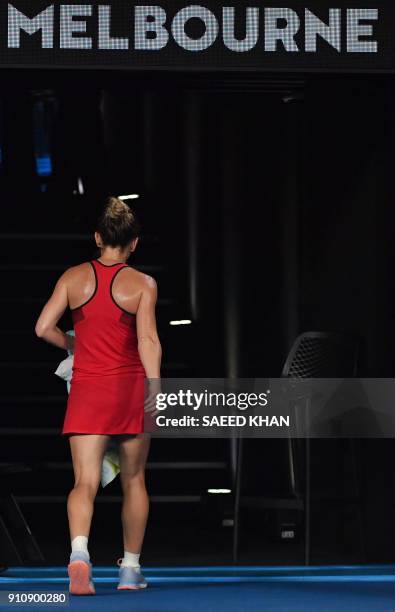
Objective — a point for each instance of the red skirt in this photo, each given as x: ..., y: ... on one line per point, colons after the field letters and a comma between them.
x: 110, y: 404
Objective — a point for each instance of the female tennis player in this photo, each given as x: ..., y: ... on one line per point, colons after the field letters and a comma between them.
x: 116, y: 347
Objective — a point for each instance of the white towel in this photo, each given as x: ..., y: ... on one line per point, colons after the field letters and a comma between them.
x: 110, y: 466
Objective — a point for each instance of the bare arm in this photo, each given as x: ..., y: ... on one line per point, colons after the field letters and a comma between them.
x: 149, y: 346
x: 46, y: 327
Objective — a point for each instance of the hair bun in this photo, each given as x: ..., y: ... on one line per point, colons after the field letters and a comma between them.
x: 117, y: 224
x: 117, y: 208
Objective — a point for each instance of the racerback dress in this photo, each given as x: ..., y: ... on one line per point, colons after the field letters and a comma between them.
x: 107, y: 386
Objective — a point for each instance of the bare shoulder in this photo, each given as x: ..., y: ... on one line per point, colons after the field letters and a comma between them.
x: 150, y: 286
x: 76, y: 272
x: 78, y: 268
x: 144, y: 281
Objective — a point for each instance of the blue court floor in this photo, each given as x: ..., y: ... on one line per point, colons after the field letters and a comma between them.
x: 369, y: 588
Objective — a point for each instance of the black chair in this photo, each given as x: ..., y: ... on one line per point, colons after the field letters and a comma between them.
x: 18, y: 545
x: 317, y: 355
x: 323, y: 355
x: 313, y: 355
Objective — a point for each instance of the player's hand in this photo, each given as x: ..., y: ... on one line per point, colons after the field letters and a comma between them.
x: 70, y: 341
x: 152, y: 390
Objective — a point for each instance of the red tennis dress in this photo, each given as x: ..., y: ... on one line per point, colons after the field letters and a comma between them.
x: 107, y: 386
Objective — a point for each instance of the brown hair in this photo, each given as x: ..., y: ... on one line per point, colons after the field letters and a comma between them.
x: 117, y: 224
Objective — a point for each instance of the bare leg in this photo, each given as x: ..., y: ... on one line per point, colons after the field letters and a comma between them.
x: 87, y: 451
x: 133, y: 452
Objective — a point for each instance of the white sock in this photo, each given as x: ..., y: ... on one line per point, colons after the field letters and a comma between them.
x: 130, y: 560
x: 80, y: 543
